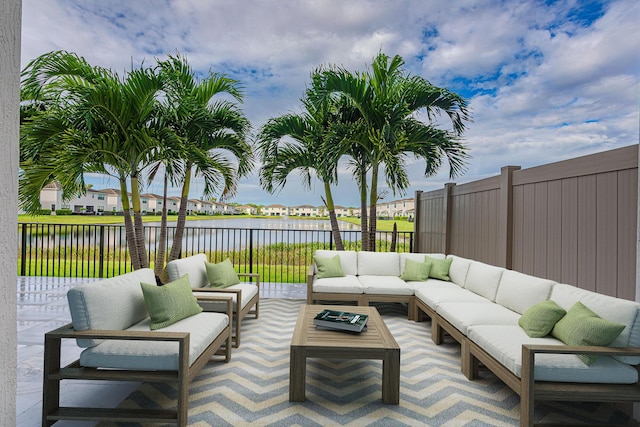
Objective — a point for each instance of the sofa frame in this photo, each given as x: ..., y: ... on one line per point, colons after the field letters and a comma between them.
x: 473, y: 357
x: 54, y: 373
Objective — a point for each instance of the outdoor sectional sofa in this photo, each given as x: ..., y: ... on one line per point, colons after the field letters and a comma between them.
x: 110, y: 320
x: 480, y: 307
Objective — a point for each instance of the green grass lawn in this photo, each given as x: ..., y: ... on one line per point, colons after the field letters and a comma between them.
x: 385, y: 224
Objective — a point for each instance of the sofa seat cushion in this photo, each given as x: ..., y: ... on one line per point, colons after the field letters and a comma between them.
x: 504, y: 343
x: 203, y: 328
x: 434, y: 283
x: 462, y: 315
x: 249, y: 290
x: 433, y: 296
x: 613, y: 309
x: 348, y: 284
x: 378, y: 264
x: 193, y: 266
x: 112, y: 304
x: 518, y: 291
x: 348, y: 260
x: 386, y: 285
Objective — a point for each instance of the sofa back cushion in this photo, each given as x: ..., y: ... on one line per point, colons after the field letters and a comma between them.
x: 613, y: 309
x: 483, y: 279
x: 348, y: 260
x: 404, y: 256
x: 193, y: 266
x: 111, y: 304
x: 378, y: 264
x: 458, y: 269
x: 518, y: 291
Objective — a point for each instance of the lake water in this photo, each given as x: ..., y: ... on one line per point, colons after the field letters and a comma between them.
x: 277, y: 223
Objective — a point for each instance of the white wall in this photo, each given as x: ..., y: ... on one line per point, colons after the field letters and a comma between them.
x: 10, y: 18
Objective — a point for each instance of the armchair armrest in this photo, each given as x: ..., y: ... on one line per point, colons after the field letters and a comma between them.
x: 252, y: 276
x: 67, y: 331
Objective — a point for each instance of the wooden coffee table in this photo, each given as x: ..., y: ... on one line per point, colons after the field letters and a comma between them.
x: 376, y: 343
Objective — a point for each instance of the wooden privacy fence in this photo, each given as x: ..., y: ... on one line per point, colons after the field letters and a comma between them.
x: 573, y: 221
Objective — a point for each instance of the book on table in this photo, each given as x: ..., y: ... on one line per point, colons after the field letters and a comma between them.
x: 341, y: 320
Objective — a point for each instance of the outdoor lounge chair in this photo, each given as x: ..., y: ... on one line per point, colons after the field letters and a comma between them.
x: 248, y: 293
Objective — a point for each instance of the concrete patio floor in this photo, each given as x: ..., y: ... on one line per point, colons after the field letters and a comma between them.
x: 42, y: 307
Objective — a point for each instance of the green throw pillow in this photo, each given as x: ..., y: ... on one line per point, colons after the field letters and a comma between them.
x: 539, y: 319
x: 328, y: 267
x: 582, y: 326
x: 222, y: 275
x: 170, y: 303
x: 416, y: 271
x: 439, y: 268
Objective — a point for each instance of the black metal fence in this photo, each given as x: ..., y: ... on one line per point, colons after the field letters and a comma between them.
x: 279, y: 255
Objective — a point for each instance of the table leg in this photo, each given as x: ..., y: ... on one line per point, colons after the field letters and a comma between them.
x: 297, y: 374
x: 391, y: 377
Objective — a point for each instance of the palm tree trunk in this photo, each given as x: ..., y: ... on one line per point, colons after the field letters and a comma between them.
x: 335, y: 229
x: 176, y: 247
x: 161, y: 252
x: 128, y: 225
x: 364, y: 223
x: 373, y: 201
x: 137, y: 221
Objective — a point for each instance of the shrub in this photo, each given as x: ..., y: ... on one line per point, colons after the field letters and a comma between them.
x: 62, y: 212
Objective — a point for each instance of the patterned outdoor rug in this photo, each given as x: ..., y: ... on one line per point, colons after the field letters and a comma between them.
x: 253, y: 389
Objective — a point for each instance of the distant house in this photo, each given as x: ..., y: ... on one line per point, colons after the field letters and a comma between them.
x: 304, y: 210
x: 247, y: 209
x: 173, y: 204
x: 275, y: 210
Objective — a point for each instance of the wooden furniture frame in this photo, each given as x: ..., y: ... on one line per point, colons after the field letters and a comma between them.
x: 360, y: 299
x: 376, y: 343
x: 253, y: 306
x: 529, y: 390
x: 54, y: 374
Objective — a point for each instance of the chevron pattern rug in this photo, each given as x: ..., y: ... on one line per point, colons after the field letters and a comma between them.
x: 253, y: 389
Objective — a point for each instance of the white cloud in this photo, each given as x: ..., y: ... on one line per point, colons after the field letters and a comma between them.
x: 544, y: 83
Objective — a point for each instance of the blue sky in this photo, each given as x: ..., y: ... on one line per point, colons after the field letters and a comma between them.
x: 545, y: 80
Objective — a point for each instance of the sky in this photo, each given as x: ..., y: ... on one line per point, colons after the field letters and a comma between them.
x: 545, y: 80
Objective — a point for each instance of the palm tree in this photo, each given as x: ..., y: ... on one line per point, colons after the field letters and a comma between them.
x: 212, y: 134
x: 388, y: 100
x: 310, y: 135
x: 90, y: 121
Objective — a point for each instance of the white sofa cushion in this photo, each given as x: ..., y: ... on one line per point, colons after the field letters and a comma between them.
x: 249, y: 290
x: 348, y: 260
x: 110, y: 304
x: 385, y: 285
x: 193, y: 266
x: 459, y: 269
x: 378, y: 264
x: 203, y: 328
x: 462, y: 315
x: 518, y: 291
x: 434, y: 283
x: 504, y: 343
x: 614, y: 309
x: 404, y: 256
x: 348, y: 284
x: 434, y: 296
x: 483, y: 279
